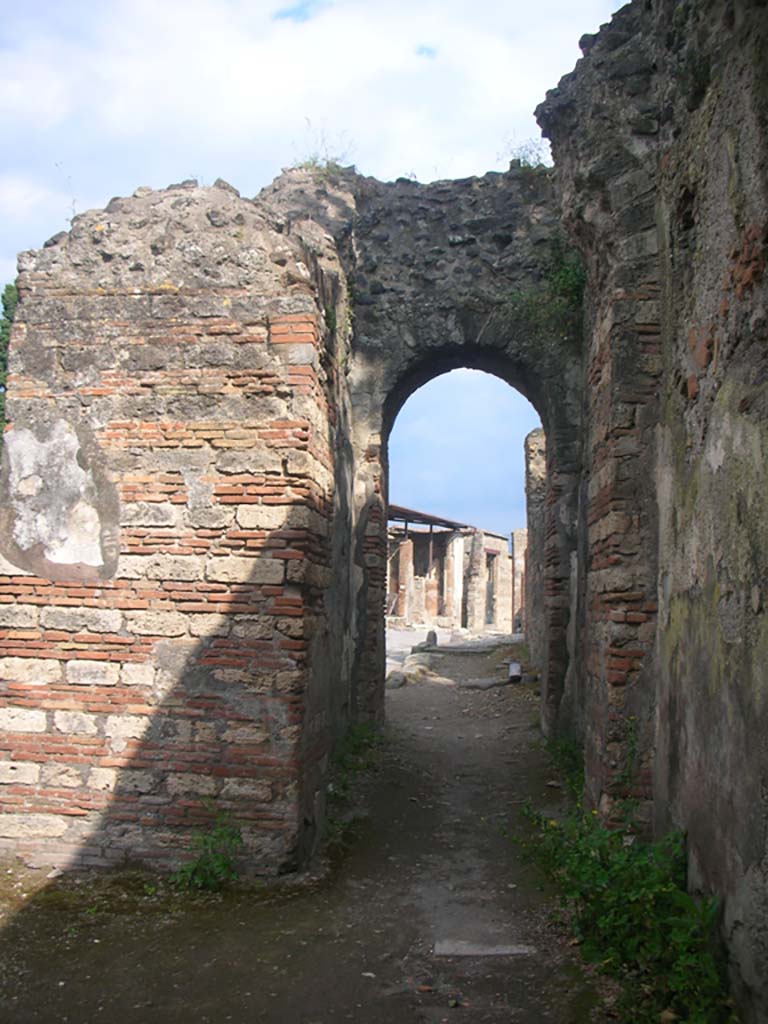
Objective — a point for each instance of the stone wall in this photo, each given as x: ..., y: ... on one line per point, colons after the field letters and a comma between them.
x: 453, y: 593
x: 437, y: 274
x: 535, y: 449
x: 661, y: 146
x: 170, y: 508
x: 194, y: 484
x: 519, y: 549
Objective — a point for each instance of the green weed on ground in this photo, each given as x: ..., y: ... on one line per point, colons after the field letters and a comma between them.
x: 627, y: 903
x: 215, y: 862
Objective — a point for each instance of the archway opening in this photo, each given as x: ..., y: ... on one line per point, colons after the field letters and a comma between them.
x: 457, y: 525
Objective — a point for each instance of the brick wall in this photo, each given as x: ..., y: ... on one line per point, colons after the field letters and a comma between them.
x: 185, y: 423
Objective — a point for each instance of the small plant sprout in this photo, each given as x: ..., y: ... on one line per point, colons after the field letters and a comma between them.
x: 214, y: 865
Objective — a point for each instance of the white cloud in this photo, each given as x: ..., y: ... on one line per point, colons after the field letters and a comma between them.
x: 206, y: 70
x: 22, y: 198
x: 102, y: 97
x: 129, y: 92
x: 34, y: 84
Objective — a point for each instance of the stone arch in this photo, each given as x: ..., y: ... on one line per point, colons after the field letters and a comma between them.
x: 374, y: 412
x: 242, y: 419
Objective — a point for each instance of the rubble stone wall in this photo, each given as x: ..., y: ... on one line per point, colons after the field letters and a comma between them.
x: 169, y: 497
x: 194, y: 480
x: 535, y: 505
x: 519, y: 548
x: 661, y: 147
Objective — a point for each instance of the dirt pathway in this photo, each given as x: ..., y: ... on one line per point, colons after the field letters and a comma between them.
x: 431, y: 917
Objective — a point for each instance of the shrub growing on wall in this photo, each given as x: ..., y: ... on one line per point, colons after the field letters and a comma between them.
x: 10, y: 298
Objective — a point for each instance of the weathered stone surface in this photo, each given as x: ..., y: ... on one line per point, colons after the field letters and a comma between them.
x: 61, y: 776
x: 102, y: 779
x: 18, y: 616
x: 31, y: 826
x: 156, y: 623
x: 86, y: 620
x: 464, y: 947
x: 33, y: 671
x: 23, y: 720
x: 136, y: 674
x: 170, y: 567
x: 92, y: 673
x: 396, y: 680
x: 245, y: 570
x: 75, y: 723
x: 19, y: 773
x: 483, y: 684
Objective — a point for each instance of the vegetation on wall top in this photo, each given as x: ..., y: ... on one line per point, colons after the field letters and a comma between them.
x: 9, y: 299
x: 553, y: 309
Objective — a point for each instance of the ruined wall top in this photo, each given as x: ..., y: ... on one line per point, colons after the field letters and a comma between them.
x: 447, y: 274
x: 182, y: 237
x: 435, y: 270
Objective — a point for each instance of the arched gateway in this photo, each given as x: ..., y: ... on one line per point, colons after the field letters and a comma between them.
x: 192, y: 506
x: 195, y: 528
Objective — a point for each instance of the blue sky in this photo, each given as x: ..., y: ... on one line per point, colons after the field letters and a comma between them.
x: 97, y: 98
x: 469, y: 465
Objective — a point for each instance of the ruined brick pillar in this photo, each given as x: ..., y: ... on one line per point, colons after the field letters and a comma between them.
x: 535, y: 503
x: 404, y: 578
x: 431, y: 596
x: 454, y: 578
x: 167, y: 496
x: 519, y: 548
x: 474, y: 583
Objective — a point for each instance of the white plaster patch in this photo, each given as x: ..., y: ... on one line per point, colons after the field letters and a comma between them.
x: 53, y: 497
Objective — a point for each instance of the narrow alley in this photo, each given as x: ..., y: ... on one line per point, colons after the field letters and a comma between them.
x: 431, y: 915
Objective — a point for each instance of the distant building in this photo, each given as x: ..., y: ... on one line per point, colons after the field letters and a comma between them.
x: 449, y: 574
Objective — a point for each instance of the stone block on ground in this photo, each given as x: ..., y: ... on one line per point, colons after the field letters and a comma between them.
x: 483, y: 684
x: 395, y: 680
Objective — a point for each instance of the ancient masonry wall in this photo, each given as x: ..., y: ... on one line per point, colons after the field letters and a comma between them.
x: 166, y: 536
x: 476, y: 553
x: 194, y: 489
x: 661, y: 142
x: 712, y: 476
x: 519, y: 548
x: 622, y: 370
x: 535, y: 506
x: 193, y: 507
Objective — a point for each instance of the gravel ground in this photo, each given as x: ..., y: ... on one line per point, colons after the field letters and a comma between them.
x: 431, y: 916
